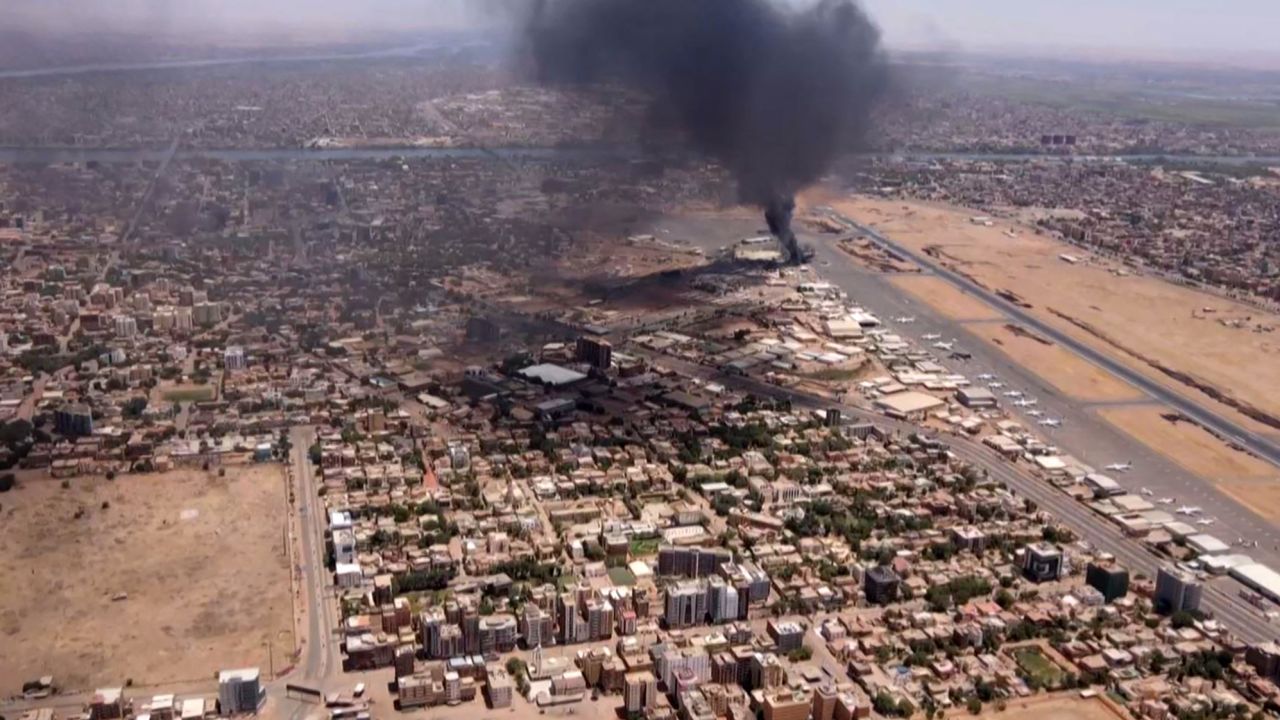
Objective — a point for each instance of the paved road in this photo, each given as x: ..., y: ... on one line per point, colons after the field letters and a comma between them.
x: 1241, y: 618
x: 1085, y: 434
x: 1255, y: 442
x: 320, y: 657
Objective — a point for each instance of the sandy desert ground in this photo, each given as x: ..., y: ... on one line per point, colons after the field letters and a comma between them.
x: 1146, y: 315
x: 945, y: 298
x: 201, y: 558
x: 1060, y: 706
x: 1064, y: 370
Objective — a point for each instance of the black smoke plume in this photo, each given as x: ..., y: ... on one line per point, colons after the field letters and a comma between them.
x: 773, y: 94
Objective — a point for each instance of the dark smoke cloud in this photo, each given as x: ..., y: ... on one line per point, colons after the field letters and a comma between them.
x: 773, y: 94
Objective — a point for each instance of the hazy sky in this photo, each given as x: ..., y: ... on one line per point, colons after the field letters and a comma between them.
x: 1197, y: 29
x: 1200, y: 29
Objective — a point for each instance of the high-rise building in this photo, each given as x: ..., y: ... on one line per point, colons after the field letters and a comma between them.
x: 722, y: 600
x: 233, y: 358
x: 1176, y: 590
x: 240, y: 691
x: 74, y: 420
x: 880, y: 585
x: 691, y: 561
x: 686, y: 604
x: 126, y: 326
x: 596, y: 352
x: 1111, y: 580
x: 1042, y: 562
x: 569, y: 618
x: 640, y: 691
x: 599, y: 613
x: 766, y: 671
x: 536, y: 626
x: 497, y: 635
x: 498, y: 687
x: 824, y: 702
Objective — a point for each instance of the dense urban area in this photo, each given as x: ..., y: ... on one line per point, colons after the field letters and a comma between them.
x: 366, y: 385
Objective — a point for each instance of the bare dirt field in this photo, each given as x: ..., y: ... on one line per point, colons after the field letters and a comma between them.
x: 1146, y: 315
x: 200, y: 557
x: 1061, y: 706
x: 1260, y: 496
x: 1066, y: 371
x: 945, y: 298
x: 1189, y: 445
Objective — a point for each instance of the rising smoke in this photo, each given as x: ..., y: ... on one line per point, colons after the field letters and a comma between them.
x: 774, y: 94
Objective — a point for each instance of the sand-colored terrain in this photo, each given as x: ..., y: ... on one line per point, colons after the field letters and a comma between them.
x: 1058, y: 706
x: 1188, y: 444
x: 1074, y: 376
x: 1146, y: 315
x: 945, y: 298
x: 1259, y: 495
x: 201, y: 558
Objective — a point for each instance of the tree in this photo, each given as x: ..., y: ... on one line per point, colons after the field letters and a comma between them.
x: 974, y: 706
x: 7, y: 481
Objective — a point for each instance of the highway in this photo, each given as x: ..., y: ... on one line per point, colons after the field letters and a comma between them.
x: 1258, y: 444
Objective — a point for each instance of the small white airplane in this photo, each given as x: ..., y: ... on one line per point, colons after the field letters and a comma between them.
x: 995, y: 385
x: 1166, y: 501
x: 1024, y: 402
x: 905, y: 319
x: 944, y: 345
x: 1189, y: 510
x: 1051, y: 422
x: 1013, y: 393
x: 930, y: 336
x: 1147, y: 492
x: 986, y: 376
x: 1034, y: 413
x: 1205, y: 521
x: 1121, y: 467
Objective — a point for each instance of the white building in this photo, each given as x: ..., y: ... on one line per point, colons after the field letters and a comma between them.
x: 240, y: 691
x: 233, y: 358
x: 126, y: 326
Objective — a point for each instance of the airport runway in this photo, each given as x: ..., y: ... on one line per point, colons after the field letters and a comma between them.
x: 1083, y: 433
x: 1260, y: 445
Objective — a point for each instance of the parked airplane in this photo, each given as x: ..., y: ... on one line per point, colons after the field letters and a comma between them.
x: 1189, y: 510
x: 1034, y: 413
x: 1024, y: 402
x: 1205, y: 521
x: 986, y: 376
x: 1121, y: 467
x: 1166, y: 501
x: 944, y: 345
x: 1013, y: 393
x: 1147, y: 492
x: 1051, y: 422
x: 905, y: 319
x: 995, y: 385
x: 930, y: 336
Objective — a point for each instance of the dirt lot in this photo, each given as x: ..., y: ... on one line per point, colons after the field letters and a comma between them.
x: 201, y: 558
x: 1064, y: 370
x: 1189, y: 445
x: 945, y: 298
x: 1061, y: 706
x: 1146, y: 315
